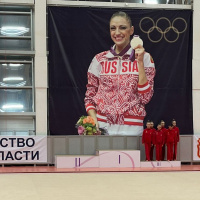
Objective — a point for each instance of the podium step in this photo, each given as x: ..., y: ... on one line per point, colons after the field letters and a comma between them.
x: 102, y: 159
x: 110, y: 159
x: 119, y: 158
x: 152, y: 164
x: 76, y: 161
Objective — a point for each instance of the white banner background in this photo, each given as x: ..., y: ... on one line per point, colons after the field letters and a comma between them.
x: 196, y: 147
x: 23, y: 149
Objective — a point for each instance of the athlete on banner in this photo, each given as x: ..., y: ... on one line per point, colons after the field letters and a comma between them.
x: 120, y: 81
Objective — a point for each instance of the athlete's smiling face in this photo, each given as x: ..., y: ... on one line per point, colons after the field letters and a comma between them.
x: 120, y: 31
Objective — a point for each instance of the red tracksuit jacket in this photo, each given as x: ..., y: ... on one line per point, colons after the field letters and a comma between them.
x: 176, y: 132
x: 153, y: 134
x: 113, y: 89
x: 164, y: 130
x: 170, y: 136
x: 159, y: 137
x: 147, y: 136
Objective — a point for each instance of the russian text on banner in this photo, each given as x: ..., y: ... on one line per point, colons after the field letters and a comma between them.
x: 23, y: 149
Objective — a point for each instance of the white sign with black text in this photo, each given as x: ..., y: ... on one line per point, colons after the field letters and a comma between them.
x: 23, y: 149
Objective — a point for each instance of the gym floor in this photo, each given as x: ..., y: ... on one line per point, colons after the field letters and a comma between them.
x: 49, y: 183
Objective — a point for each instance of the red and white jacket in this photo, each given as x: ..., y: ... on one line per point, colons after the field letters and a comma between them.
x: 113, y: 89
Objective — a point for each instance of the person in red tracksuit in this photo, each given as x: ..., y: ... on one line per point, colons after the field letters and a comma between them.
x: 164, y: 135
x: 147, y: 140
x: 176, y: 139
x: 158, y: 142
x: 153, y: 136
x: 170, y: 142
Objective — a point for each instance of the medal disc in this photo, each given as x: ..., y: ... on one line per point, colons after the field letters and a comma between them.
x: 136, y: 41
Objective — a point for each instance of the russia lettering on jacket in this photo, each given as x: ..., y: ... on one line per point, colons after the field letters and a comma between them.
x: 111, y: 67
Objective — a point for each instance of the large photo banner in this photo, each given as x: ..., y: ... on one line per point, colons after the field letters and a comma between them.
x: 23, y: 149
x: 76, y: 35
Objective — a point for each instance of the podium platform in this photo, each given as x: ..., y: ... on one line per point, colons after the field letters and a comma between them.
x: 152, y: 164
x: 102, y: 159
x: 110, y: 159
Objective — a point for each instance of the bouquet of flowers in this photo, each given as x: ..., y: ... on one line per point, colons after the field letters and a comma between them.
x: 87, y: 126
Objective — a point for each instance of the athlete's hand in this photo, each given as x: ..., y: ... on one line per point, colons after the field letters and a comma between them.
x: 97, y: 124
x: 139, y: 53
x: 93, y: 114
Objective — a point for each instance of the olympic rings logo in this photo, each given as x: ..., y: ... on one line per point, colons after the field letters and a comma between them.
x: 164, y: 33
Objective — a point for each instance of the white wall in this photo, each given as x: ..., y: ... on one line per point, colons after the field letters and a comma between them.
x: 196, y: 67
x: 40, y: 67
